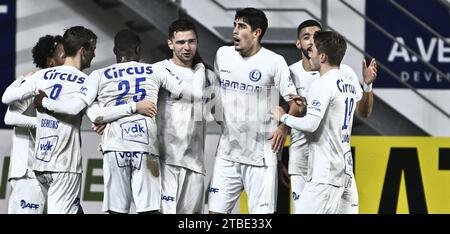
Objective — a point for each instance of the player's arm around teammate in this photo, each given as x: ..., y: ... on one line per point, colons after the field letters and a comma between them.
x: 26, y: 196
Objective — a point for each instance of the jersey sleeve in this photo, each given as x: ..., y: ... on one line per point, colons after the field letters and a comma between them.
x: 20, y: 90
x: 320, y: 96
x: 84, y: 97
x: 216, y: 66
x: 211, y: 79
x: 283, y: 79
x: 309, y: 123
x: 168, y: 80
x: 88, y: 91
x: 101, y: 115
x: 14, y: 115
x: 212, y: 95
x: 293, y: 75
x: 71, y: 106
x: 200, y: 81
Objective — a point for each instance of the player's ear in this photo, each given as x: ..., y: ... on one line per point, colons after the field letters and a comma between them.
x: 137, y: 50
x: 51, y: 62
x: 298, y: 44
x: 257, y: 33
x: 170, y: 44
x: 323, y: 58
x: 82, y: 51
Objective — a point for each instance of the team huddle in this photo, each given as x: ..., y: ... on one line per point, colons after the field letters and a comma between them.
x: 152, y: 121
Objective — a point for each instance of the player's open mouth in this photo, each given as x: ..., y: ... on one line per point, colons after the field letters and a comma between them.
x: 236, y: 41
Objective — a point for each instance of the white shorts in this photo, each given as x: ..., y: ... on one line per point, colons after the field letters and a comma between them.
x: 182, y: 190
x: 320, y: 198
x: 298, y: 159
x: 62, y: 190
x: 131, y: 176
x: 350, y: 200
x: 297, y: 185
x: 26, y: 196
x: 230, y: 178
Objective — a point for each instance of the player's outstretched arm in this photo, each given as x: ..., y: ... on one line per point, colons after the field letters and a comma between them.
x: 178, y: 87
x: 14, y: 116
x: 20, y: 89
x: 100, y: 115
x: 71, y: 106
x: 309, y: 123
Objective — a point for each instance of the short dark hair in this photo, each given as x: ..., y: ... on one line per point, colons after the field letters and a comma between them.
x: 181, y: 25
x: 45, y: 48
x: 76, y: 37
x: 255, y: 18
x: 125, y: 42
x: 332, y: 44
x: 308, y: 23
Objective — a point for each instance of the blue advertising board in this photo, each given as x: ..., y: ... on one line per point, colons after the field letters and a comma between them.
x: 7, y: 48
x: 420, y: 40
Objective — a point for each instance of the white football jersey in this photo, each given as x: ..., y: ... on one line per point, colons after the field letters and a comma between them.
x: 22, y: 148
x: 250, y: 88
x: 181, y: 126
x: 302, y: 80
x: 58, y: 139
x: 332, y: 98
x: 122, y: 83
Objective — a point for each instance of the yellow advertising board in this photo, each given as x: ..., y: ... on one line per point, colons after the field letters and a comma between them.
x: 400, y: 175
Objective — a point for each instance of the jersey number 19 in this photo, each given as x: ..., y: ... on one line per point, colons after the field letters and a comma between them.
x: 349, y: 102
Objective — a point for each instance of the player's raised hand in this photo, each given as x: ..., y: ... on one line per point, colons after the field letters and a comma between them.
x: 370, y: 72
x: 147, y: 108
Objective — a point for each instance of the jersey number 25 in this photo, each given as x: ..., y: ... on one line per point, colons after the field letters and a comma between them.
x: 124, y: 85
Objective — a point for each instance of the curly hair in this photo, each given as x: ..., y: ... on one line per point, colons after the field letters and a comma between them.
x: 45, y: 48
